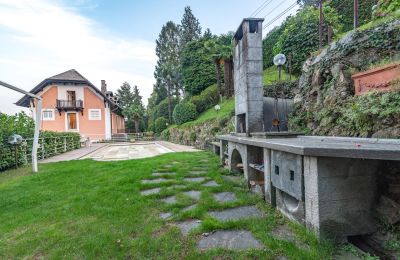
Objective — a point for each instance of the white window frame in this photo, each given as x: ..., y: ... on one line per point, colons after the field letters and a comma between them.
x: 48, y: 118
x: 94, y: 118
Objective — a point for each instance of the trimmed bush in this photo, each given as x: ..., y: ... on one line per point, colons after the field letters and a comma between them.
x: 184, y: 112
x: 207, y: 99
x: 160, y: 124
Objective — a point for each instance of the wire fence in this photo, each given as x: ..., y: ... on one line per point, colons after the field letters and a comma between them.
x: 12, y: 156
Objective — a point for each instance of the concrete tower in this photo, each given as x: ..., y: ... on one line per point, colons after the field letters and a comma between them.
x: 248, y: 73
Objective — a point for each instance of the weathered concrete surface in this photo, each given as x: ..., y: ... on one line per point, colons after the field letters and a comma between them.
x: 197, y: 172
x: 236, y: 213
x: 232, y: 178
x: 194, y: 194
x: 211, y: 184
x: 198, y: 179
x: 177, y: 186
x: 170, y: 200
x: 225, y: 196
x: 189, y: 208
x: 229, y: 239
x: 283, y: 232
x: 150, y: 191
x: 188, y: 225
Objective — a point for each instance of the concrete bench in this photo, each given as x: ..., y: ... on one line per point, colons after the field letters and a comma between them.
x: 216, y: 147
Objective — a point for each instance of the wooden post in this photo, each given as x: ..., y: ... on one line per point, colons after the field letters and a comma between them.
x: 321, y: 21
x: 355, y: 14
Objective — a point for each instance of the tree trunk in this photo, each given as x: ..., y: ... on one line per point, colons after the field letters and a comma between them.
x: 137, y: 126
x: 218, y: 74
x: 228, y: 77
x: 169, y: 104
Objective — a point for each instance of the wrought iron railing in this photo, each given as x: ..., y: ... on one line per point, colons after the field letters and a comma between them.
x: 69, y: 104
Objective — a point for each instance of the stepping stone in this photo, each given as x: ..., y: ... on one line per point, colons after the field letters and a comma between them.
x: 197, y: 172
x: 150, y: 191
x: 188, y: 226
x: 211, y: 184
x: 170, y: 200
x: 198, y: 179
x: 188, y: 208
x: 158, y: 174
x: 231, y: 178
x: 159, y: 180
x: 204, y: 160
x: 236, y: 213
x: 225, y: 197
x: 229, y: 239
x: 165, y: 215
x: 194, y: 194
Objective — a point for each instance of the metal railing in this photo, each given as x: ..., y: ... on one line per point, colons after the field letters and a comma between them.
x: 69, y: 104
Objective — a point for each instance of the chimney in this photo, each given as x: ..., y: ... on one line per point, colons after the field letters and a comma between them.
x: 103, y: 86
x: 248, y: 76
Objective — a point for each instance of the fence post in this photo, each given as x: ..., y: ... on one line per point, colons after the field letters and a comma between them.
x: 43, y: 152
x: 55, y: 145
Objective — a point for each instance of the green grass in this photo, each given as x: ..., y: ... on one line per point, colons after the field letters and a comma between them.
x: 271, y: 75
x: 88, y: 209
x: 227, y: 108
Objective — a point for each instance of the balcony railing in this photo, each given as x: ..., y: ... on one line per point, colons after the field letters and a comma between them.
x: 69, y: 104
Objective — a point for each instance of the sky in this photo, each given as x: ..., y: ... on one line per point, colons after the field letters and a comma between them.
x: 112, y: 40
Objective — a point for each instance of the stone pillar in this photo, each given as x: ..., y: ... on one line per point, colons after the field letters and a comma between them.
x: 248, y: 73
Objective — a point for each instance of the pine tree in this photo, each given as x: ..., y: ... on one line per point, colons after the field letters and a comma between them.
x: 190, y: 27
x: 125, y: 95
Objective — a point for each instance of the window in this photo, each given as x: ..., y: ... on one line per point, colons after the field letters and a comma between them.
x: 276, y: 170
x: 292, y: 175
x: 94, y: 114
x: 47, y: 114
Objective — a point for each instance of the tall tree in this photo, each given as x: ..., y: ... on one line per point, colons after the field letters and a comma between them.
x: 132, y: 105
x: 190, y: 27
x: 168, y: 65
x: 125, y: 95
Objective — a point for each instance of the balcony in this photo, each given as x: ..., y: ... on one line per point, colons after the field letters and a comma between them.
x: 68, y: 105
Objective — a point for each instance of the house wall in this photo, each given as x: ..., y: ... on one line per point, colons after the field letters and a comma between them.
x: 94, y: 129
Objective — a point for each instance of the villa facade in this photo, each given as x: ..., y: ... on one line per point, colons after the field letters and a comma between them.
x: 71, y: 103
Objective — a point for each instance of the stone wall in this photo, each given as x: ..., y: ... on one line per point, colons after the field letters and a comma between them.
x: 324, y: 98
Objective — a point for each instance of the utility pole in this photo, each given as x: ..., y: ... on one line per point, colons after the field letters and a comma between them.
x: 355, y: 14
x: 37, y: 121
x: 321, y: 21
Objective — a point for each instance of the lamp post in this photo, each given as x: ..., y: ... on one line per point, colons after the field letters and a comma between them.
x: 217, y: 108
x: 279, y: 61
x: 37, y: 121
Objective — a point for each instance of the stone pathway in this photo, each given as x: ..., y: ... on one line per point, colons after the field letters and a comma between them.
x: 159, y: 174
x: 198, y: 179
x: 197, y: 172
x: 159, y: 180
x: 150, y: 191
x: 236, y: 213
x: 170, y: 200
x: 229, y: 239
x: 188, y: 225
x: 189, y: 208
x: 194, y: 194
x: 232, y: 178
x: 211, y: 184
x: 165, y: 215
x: 225, y: 197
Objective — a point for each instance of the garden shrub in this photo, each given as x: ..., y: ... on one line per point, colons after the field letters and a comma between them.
x: 160, y: 124
x: 184, y: 112
x: 386, y: 7
x: 165, y: 134
x: 206, y: 99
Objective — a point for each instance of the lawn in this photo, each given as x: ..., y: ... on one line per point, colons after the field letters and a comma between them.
x: 271, y: 75
x: 89, y: 209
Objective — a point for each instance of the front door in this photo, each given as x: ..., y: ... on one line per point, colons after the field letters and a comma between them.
x: 72, y: 123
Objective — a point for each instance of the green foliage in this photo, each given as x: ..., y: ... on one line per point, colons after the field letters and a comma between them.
x: 206, y: 99
x: 346, y: 10
x: 184, y: 112
x: 300, y: 37
x: 271, y: 75
x: 132, y: 105
x: 165, y: 134
x: 161, y: 110
x: 198, y: 69
x: 160, y: 124
x: 190, y: 27
x: 268, y: 42
x: 51, y: 143
x: 386, y: 7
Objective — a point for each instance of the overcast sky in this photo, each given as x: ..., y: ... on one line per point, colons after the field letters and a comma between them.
x: 111, y: 40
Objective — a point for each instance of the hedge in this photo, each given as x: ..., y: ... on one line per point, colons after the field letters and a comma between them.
x: 184, y: 112
x: 206, y: 99
x: 160, y: 124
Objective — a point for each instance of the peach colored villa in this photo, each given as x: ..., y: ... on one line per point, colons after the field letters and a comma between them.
x: 72, y: 104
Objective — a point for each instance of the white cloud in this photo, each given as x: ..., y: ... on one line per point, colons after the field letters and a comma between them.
x: 39, y: 39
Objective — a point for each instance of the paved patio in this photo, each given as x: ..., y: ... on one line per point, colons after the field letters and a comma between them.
x: 120, y: 151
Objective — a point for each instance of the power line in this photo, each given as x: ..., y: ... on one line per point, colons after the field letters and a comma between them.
x: 280, y: 15
x: 258, y: 8
x: 262, y: 8
x: 273, y: 9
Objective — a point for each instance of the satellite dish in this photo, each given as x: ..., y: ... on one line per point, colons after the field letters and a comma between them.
x: 15, y: 139
x: 279, y: 59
